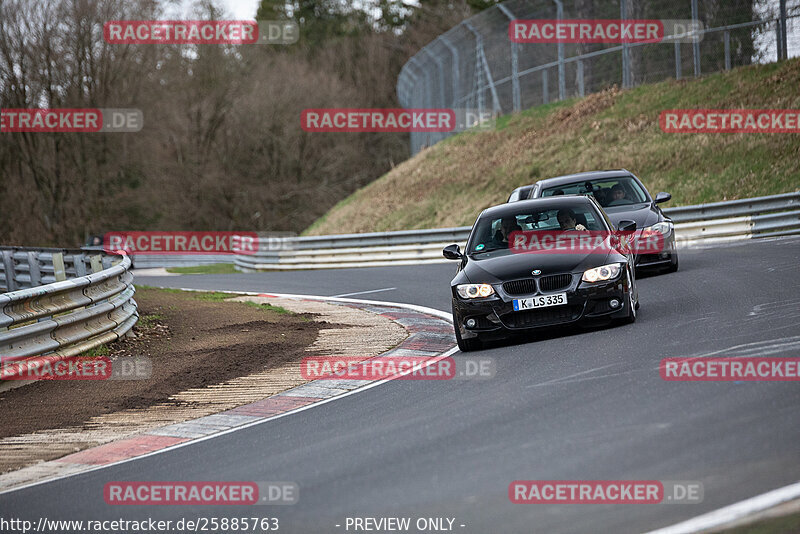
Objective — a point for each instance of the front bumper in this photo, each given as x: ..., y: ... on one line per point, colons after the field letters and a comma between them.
x: 495, y: 316
x: 663, y: 258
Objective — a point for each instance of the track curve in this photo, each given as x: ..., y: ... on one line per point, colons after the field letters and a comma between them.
x: 586, y: 405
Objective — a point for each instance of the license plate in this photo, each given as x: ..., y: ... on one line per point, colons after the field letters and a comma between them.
x: 542, y: 301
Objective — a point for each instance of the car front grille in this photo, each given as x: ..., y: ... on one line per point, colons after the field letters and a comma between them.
x: 527, y: 286
x: 543, y: 317
x: 520, y: 287
x: 554, y: 282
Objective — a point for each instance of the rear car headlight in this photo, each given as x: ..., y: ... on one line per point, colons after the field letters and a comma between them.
x: 474, y: 291
x: 602, y: 273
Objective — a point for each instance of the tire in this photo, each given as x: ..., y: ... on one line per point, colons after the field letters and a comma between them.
x: 632, y: 306
x: 466, y: 345
x: 673, y: 266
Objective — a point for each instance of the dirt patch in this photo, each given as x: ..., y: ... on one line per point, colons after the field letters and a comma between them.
x: 584, y: 108
x: 192, y: 343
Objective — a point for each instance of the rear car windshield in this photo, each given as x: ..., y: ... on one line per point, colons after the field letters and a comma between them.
x: 608, y: 192
x: 491, y: 233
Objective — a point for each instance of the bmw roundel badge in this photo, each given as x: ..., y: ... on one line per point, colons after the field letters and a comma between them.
x: 536, y: 272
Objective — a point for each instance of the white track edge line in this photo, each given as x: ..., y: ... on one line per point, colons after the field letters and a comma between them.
x: 421, y: 309
x: 715, y: 518
x: 733, y: 512
x: 711, y: 519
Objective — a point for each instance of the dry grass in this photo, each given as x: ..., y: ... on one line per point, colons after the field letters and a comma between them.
x: 451, y: 182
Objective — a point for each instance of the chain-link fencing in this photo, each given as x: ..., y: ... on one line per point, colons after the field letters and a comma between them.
x: 477, y: 66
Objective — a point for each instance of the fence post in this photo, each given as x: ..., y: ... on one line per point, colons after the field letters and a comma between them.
x: 626, y: 55
x: 411, y: 88
x: 778, y: 40
x: 784, y: 48
x: 482, y: 64
x: 695, y: 40
x: 456, y: 74
x: 562, y: 84
x: 429, y: 102
x: 677, y: 60
x: 545, y: 89
x: 439, y: 64
x: 727, y: 38
x: 581, y: 89
x: 516, y: 97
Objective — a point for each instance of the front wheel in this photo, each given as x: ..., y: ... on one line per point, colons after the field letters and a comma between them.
x: 673, y: 265
x: 466, y: 345
x: 633, y: 305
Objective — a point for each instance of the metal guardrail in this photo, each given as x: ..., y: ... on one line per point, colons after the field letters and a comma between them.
x: 694, y: 225
x: 61, y: 303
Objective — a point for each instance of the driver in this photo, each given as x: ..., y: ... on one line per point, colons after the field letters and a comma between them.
x: 567, y: 221
x: 507, y: 225
x: 617, y: 195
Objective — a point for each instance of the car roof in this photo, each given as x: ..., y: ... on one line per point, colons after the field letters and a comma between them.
x: 548, y: 203
x: 577, y: 177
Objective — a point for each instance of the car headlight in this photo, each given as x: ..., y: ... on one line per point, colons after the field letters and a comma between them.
x: 602, y: 273
x: 474, y: 291
x: 663, y: 228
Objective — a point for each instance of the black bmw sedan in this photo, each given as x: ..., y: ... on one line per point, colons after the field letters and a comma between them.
x: 622, y: 196
x: 539, y: 263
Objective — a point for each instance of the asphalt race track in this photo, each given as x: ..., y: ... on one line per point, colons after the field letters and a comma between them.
x: 586, y: 405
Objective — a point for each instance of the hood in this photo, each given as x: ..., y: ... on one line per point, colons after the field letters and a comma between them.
x: 643, y: 215
x: 513, y: 266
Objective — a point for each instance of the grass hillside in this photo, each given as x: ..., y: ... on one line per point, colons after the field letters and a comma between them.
x: 451, y: 182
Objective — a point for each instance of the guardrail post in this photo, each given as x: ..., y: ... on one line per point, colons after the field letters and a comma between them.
x: 33, y: 269
x: 10, y: 272
x: 97, y: 263
x: 59, y: 271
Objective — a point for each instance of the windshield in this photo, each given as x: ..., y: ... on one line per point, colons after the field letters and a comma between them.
x: 491, y: 234
x: 608, y: 192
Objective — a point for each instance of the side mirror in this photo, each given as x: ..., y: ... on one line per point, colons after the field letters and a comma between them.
x: 626, y: 226
x: 452, y: 252
x: 662, y: 197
